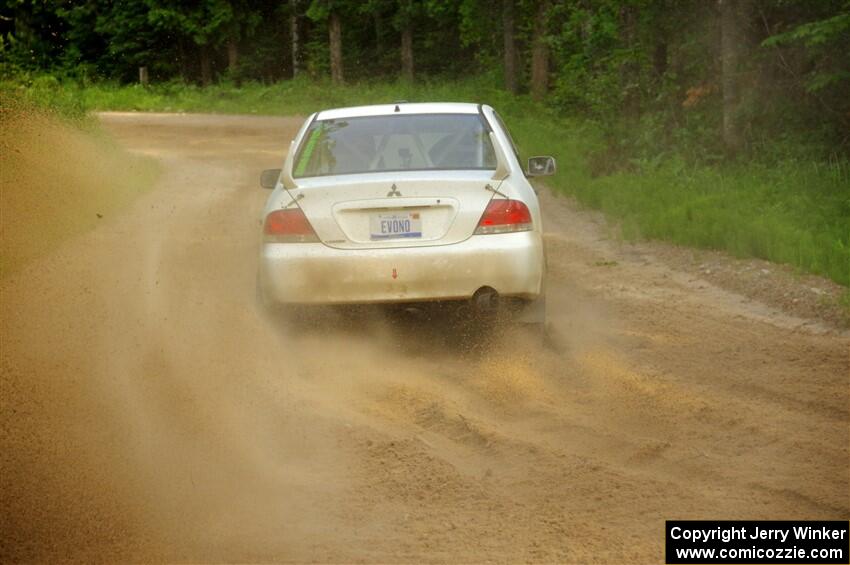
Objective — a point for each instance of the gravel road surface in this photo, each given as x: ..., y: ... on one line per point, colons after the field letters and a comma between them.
x: 150, y: 412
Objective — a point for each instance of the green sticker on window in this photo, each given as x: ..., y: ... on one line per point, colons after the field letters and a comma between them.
x: 308, y: 150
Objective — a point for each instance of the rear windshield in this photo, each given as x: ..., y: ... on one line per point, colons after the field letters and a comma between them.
x: 420, y: 142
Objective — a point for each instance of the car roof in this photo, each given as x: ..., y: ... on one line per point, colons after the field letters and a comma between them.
x: 403, y: 108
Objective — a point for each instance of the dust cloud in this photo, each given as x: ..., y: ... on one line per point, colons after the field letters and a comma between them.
x: 58, y: 180
x: 152, y: 411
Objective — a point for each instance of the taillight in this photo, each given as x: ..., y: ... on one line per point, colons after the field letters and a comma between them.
x: 503, y: 216
x: 288, y: 226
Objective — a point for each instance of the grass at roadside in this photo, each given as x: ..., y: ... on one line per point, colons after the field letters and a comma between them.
x: 791, y: 210
x: 788, y: 211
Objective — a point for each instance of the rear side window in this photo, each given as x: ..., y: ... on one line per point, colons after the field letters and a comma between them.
x: 395, y: 143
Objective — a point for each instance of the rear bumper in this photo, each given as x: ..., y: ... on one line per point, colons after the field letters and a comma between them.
x: 313, y: 273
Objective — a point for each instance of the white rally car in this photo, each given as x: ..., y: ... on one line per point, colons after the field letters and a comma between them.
x: 405, y: 203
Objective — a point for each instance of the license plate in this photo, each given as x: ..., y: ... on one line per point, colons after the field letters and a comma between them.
x: 398, y: 225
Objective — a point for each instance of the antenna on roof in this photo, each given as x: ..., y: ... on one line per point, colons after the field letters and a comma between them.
x: 397, y: 102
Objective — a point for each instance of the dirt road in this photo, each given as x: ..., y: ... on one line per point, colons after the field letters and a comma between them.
x: 150, y: 412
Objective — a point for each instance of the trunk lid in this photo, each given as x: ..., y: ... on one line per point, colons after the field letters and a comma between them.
x: 395, y: 210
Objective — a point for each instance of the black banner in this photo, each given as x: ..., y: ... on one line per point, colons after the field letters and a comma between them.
x: 769, y: 541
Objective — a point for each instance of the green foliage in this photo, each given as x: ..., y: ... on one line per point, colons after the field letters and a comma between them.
x: 826, y: 42
x: 205, y: 24
x: 319, y: 10
x: 618, y: 61
x: 814, y: 34
x: 589, y: 46
x: 112, y: 39
x: 788, y: 210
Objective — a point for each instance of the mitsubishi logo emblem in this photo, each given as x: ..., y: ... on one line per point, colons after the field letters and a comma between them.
x: 393, y: 191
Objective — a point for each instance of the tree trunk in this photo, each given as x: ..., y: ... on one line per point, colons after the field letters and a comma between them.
x: 731, y: 40
x: 510, y: 46
x: 335, y: 31
x: 206, y: 66
x: 232, y: 54
x: 540, y: 54
x: 293, y: 32
x: 407, y: 51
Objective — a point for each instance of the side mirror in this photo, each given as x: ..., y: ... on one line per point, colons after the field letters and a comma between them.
x: 541, y: 166
x: 268, y: 178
